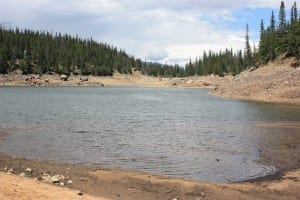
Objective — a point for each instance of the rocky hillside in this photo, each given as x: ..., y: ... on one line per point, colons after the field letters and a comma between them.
x: 275, y: 82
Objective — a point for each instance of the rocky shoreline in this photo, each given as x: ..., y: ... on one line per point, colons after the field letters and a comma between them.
x: 123, y: 184
x: 276, y: 82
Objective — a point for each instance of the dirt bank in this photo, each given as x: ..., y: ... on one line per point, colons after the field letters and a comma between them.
x: 137, y: 79
x: 121, y: 184
x: 275, y: 82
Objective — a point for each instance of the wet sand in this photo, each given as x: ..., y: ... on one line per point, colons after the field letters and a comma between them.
x: 126, y: 184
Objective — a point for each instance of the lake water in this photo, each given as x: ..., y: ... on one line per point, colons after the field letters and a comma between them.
x: 178, y: 132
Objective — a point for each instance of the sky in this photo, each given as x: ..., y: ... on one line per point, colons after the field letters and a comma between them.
x: 165, y: 31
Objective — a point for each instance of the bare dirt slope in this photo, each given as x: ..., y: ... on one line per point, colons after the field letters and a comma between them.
x: 18, y: 188
x: 115, y: 184
x: 276, y: 82
x: 136, y: 80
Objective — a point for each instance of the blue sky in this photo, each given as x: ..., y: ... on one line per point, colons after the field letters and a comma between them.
x: 165, y: 31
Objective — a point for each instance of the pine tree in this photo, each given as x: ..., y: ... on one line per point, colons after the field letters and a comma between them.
x: 282, y: 17
x: 247, y: 52
x: 272, y: 22
x: 295, y: 12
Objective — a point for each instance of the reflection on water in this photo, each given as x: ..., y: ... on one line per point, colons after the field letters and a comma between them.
x: 177, y: 132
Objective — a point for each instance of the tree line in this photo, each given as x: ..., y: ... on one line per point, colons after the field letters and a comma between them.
x: 36, y: 52
x: 278, y: 39
x: 41, y: 52
x: 282, y: 38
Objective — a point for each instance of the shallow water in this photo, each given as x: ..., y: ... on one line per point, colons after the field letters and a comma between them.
x: 177, y: 132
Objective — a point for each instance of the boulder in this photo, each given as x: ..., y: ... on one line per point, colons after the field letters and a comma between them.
x: 84, y: 78
x: 22, y: 174
x: 29, y: 170
x: 64, y: 77
x: 57, y: 178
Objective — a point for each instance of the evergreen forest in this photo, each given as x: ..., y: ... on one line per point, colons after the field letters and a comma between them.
x: 35, y: 52
x: 40, y: 52
x: 279, y: 39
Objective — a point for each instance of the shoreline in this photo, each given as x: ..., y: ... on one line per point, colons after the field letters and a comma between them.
x: 115, y: 183
x: 276, y: 83
x: 129, y: 184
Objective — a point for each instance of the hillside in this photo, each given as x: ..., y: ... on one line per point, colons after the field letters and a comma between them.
x: 276, y: 82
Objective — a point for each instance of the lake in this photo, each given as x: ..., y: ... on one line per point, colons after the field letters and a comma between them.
x: 176, y: 132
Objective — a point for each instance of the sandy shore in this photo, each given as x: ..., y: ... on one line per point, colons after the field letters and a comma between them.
x: 98, y: 183
x: 138, y: 80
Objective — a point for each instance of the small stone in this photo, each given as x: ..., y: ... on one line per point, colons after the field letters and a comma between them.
x: 46, y: 178
x: 5, y: 168
x: 218, y: 160
x: 29, y: 170
x: 79, y: 193
x: 22, y: 174
x: 175, y: 199
x: 70, y: 181
x: 61, y: 184
x: 10, y: 171
x: 83, y: 179
x: 55, y: 179
x: 202, y: 194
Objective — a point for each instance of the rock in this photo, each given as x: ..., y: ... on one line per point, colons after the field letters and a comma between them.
x: 79, y: 193
x: 175, y: 199
x: 84, y: 78
x: 46, y: 178
x: 29, y: 170
x: 218, y: 160
x: 5, y: 168
x: 64, y: 77
x: 57, y: 178
x: 206, y: 84
x: 11, y: 170
x: 202, y: 194
x: 22, y: 174
x: 70, y: 181
x: 83, y: 179
x: 61, y: 184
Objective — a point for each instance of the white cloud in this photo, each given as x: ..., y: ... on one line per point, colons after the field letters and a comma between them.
x: 164, y: 30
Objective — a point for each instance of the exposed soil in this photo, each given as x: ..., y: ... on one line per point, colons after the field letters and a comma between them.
x: 275, y: 82
x: 121, y: 184
x: 137, y: 79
